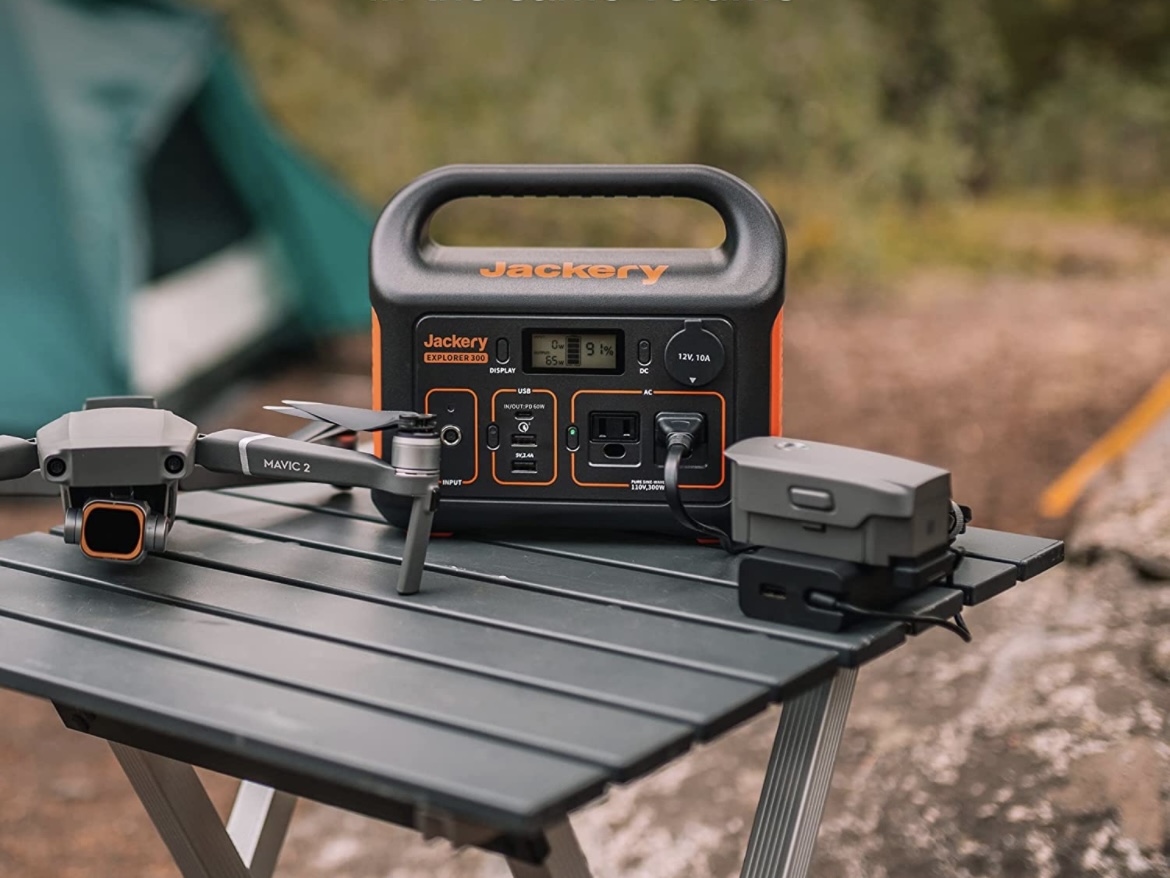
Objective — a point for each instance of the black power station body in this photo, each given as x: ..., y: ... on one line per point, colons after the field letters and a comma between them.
x: 548, y: 368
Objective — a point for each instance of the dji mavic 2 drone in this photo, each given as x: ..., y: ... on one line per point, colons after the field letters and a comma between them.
x: 119, y: 464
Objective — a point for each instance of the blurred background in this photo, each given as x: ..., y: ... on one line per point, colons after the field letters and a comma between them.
x: 977, y: 204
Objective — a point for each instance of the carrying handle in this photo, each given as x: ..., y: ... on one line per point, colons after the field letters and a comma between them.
x: 749, y: 220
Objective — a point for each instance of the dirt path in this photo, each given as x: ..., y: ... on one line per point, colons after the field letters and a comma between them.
x: 1004, y: 381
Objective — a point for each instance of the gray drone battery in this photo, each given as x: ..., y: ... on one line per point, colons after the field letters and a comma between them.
x: 837, y: 502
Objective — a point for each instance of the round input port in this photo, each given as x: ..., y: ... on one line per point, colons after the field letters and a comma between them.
x: 614, y: 450
x: 451, y: 435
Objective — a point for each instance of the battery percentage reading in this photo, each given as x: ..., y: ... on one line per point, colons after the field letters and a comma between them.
x: 592, y: 351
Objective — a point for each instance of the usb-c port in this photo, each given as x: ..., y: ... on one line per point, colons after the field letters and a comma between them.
x: 524, y: 415
x: 524, y: 440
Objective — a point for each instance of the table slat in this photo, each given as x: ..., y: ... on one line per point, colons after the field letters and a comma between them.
x: 1031, y: 555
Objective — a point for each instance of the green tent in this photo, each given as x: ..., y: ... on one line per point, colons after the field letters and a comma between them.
x: 130, y: 148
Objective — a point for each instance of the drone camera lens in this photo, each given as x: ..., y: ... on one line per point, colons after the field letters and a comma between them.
x: 55, y: 466
x: 174, y: 464
x: 113, y: 530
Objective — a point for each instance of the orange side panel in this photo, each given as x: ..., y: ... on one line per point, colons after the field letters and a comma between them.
x: 777, y: 419
x: 376, y: 378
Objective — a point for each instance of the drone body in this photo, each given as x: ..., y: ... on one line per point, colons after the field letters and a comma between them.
x: 121, y: 461
x: 118, y: 464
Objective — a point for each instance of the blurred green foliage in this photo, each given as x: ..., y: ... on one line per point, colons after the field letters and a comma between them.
x: 876, y: 127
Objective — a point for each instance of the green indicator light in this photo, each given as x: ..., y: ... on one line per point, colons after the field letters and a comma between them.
x: 572, y: 431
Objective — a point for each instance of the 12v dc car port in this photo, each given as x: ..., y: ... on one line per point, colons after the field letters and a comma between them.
x: 694, y: 356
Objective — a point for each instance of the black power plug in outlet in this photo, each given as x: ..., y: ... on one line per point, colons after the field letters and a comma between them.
x: 692, y: 423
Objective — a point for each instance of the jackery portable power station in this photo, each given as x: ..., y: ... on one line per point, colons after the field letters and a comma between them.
x: 553, y: 372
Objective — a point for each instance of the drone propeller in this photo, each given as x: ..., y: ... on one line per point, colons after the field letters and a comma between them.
x: 321, y: 431
x: 343, y: 416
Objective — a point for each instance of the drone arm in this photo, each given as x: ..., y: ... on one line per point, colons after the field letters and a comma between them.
x: 18, y: 458
x: 274, y: 457
x: 264, y: 456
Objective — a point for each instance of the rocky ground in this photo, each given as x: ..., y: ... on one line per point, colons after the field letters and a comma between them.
x: 1045, y: 752
x: 1038, y: 750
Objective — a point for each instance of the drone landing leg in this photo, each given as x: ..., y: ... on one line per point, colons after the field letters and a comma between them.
x: 418, y: 536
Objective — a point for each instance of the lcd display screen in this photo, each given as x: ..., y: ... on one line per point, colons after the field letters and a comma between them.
x: 584, y: 351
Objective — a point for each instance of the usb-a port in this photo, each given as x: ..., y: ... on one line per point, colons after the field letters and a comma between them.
x: 524, y: 414
x: 524, y: 466
x: 524, y: 440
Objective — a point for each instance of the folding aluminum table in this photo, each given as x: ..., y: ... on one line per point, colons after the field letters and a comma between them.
x: 528, y: 675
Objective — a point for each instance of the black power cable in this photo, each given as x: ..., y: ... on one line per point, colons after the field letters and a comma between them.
x: 828, y: 602
x: 678, y: 445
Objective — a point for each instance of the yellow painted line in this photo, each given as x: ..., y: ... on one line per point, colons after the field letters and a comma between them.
x: 1059, y: 497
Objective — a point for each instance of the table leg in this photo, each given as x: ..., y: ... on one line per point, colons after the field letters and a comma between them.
x: 797, y: 783
x: 258, y: 824
x: 200, y: 844
x: 565, y: 859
